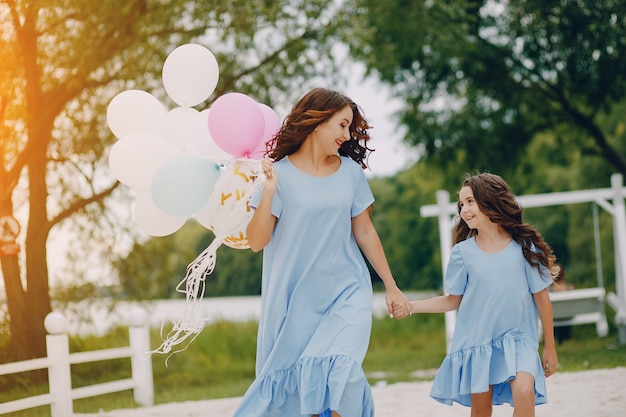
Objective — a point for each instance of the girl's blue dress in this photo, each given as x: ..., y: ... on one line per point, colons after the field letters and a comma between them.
x: 496, y: 332
x: 316, y: 312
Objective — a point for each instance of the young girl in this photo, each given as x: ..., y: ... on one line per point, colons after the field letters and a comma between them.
x: 312, y: 220
x: 497, y: 278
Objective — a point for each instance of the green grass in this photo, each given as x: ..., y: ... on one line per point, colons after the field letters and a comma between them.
x: 220, y: 362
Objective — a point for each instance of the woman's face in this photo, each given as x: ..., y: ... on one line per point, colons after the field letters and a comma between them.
x: 331, y: 134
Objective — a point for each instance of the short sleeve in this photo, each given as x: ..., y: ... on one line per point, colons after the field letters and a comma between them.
x: 277, y: 201
x: 363, y: 197
x: 455, y: 280
x: 538, y: 279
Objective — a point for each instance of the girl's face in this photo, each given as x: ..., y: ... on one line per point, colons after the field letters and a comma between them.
x: 469, y: 210
x: 335, y: 131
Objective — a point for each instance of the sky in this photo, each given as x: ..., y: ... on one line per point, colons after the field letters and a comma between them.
x: 379, y: 106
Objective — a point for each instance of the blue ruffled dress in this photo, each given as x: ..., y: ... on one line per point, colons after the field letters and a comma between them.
x: 316, y: 311
x: 496, y: 332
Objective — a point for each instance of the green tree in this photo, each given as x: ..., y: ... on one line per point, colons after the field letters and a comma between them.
x: 411, y: 242
x: 154, y: 269
x: 62, y: 63
x: 482, y: 78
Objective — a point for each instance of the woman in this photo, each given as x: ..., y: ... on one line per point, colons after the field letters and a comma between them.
x: 312, y: 220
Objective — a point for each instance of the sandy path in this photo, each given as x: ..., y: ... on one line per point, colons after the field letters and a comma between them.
x: 594, y: 393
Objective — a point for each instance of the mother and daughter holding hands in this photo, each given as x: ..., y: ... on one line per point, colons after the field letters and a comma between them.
x: 312, y: 219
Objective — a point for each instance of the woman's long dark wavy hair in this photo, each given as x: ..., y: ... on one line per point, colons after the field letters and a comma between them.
x: 314, y: 108
x: 496, y: 201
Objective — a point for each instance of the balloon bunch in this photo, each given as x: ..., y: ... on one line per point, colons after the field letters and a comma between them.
x: 187, y: 163
x: 172, y: 157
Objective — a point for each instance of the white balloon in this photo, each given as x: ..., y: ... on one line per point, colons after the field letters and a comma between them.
x: 135, y: 158
x: 183, y: 124
x: 134, y: 111
x: 152, y: 220
x: 204, y: 144
x: 190, y: 74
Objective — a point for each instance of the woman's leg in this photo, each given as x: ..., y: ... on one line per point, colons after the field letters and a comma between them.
x: 523, y: 390
x: 482, y: 404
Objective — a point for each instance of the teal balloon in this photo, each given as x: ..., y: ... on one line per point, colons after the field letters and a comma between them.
x: 182, y: 186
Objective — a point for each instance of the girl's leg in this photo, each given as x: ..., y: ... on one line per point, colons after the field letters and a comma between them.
x: 482, y: 404
x: 523, y: 390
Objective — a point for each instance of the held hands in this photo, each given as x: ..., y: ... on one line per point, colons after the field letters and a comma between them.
x: 401, y: 311
x: 398, y: 306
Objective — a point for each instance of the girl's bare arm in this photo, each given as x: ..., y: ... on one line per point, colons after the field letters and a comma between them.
x: 544, y: 308
x: 439, y: 304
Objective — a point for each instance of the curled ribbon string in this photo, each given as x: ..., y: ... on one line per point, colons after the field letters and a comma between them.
x: 194, y: 283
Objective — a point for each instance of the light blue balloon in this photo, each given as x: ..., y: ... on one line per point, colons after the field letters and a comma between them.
x: 182, y: 186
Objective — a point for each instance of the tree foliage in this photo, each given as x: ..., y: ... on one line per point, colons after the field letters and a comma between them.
x: 411, y: 241
x: 154, y: 269
x: 482, y: 78
x: 64, y: 60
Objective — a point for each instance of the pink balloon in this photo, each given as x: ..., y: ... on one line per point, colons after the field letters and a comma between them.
x: 272, y: 125
x: 272, y: 122
x: 204, y: 143
x: 259, y: 152
x: 236, y: 124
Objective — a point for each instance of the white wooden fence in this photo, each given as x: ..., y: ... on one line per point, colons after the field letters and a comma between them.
x: 582, y: 306
x: 59, y: 361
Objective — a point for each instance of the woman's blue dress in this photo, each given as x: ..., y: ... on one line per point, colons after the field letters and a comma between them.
x: 496, y: 332
x: 316, y: 312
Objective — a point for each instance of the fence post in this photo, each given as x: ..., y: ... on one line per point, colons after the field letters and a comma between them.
x: 141, y: 361
x: 619, y: 236
x: 59, y: 377
x: 446, y: 226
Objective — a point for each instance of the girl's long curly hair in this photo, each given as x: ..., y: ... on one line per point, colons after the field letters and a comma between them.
x: 496, y: 201
x: 314, y: 108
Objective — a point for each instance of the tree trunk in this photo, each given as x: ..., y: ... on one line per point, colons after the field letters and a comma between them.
x: 26, y: 341
x: 37, y: 285
x: 29, y: 306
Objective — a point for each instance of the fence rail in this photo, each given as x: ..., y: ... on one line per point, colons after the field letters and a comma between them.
x: 59, y: 361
